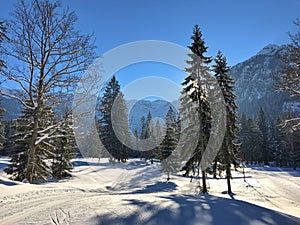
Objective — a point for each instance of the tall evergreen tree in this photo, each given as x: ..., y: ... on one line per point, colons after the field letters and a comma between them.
x: 263, y: 126
x: 146, y: 133
x: 169, y: 144
x: 121, y: 126
x: 105, y: 124
x: 194, y: 91
x: 20, y: 141
x: 250, y: 138
x: 39, y: 165
x: 65, y: 150
x: 228, y: 151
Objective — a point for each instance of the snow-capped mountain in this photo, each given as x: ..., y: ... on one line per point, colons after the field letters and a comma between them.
x: 255, y: 84
x: 157, y: 108
x: 254, y: 89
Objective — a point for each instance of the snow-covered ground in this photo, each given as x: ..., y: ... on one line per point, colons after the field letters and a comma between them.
x: 137, y: 193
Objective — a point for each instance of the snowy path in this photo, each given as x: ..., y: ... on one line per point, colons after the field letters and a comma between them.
x: 137, y: 193
x: 280, y: 188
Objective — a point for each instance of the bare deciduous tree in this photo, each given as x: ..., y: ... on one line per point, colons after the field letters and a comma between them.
x: 45, y: 55
x: 290, y: 80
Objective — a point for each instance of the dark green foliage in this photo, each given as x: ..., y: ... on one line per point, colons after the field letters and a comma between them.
x: 263, y: 126
x: 169, y: 144
x: 39, y: 165
x: 251, y: 140
x: 105, y: 124
x: 21, y: 129
x: 228, y: 152
x: 65, y: 150
x: 194, y: 94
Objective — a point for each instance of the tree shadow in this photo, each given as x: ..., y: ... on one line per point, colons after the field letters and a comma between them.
x: 3, y: 165
x: 157, y: 187
x: 7, y: 182
x: 195, y: 210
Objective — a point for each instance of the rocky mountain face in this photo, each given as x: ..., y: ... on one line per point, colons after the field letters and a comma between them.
x: 255, y: 84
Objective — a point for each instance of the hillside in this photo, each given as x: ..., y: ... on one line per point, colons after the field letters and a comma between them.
x: 255, y: 84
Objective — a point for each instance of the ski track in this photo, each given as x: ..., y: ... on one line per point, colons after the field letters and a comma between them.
x: 73, y: 204
x: 275, y: 189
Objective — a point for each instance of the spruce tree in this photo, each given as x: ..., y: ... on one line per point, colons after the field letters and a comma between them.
x: 20, y: 140
x: 146, y: 133
x: 250, y: 138
x: 194, y: 92
x: 121, y: 126
x: 263, y: 126
x: 104, y: 121
x: 65, y: 150
x: 228, y: 151
x: 169, y: 144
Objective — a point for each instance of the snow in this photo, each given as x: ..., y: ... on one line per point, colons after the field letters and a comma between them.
x: 137, y: 193
x: 269, y: 50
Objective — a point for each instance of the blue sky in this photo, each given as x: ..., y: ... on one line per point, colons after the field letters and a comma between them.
x: 239, y: 28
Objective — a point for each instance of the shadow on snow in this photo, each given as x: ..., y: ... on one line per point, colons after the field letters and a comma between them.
x: 196, y: 210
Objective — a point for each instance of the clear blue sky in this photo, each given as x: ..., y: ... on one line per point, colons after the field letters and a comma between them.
x: 239, y: 28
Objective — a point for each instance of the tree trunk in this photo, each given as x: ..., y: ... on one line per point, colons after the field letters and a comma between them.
x: 228, y: 177
x: 215, y: 169
x: 204, y: 189
x: 32, y: 149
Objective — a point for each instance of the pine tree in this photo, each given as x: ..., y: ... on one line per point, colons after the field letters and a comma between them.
x: 263, y: 126
x: 194, y: 92
x: 250, y: 138
x: 8, y: 133
x: 273, y: 141
x: 20, y: 141
x: 65, y: 150
x: 147, y: 133
x: 228, y: 151
x: 121, y: 126
x: 37, y: 165
x: 143, y: 128
x: 169, y: 144
x: 105, y: 124
x: 157, y: 133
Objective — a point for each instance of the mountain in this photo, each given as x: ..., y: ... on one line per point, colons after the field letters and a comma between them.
x: 157, y: 108
x: 254, y: 89
x: 12, y: 108
x: 255, y: 84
